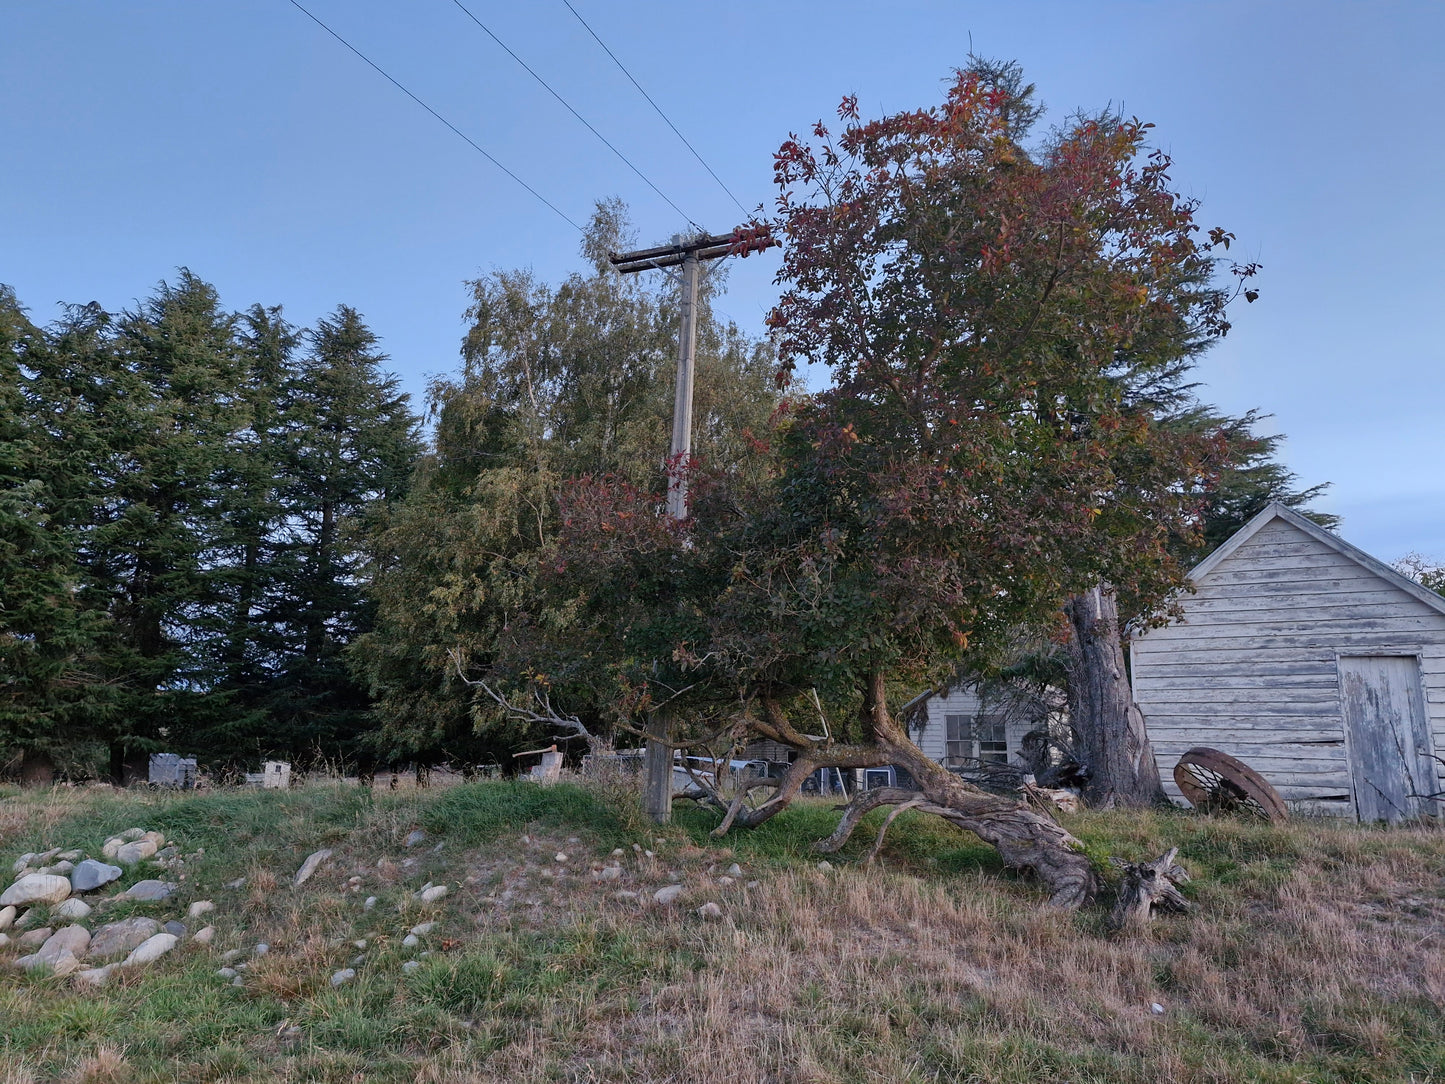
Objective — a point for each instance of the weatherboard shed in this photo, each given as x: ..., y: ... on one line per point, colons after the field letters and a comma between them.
x: 1313, y: 662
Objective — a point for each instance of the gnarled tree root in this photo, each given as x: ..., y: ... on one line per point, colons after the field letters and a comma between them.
x: 1145, y: 886
x: 1024, y: 838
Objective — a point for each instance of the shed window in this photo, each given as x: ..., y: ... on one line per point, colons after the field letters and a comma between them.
x: 980, y: 738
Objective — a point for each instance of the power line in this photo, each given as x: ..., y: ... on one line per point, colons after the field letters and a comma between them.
x: 655, y: 106
x: 377, y: 68
x: 576, y: 114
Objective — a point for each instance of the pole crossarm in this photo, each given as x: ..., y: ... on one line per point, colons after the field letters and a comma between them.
x: 742, y: 241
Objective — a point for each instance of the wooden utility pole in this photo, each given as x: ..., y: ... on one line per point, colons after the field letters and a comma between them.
x: 689, y: 255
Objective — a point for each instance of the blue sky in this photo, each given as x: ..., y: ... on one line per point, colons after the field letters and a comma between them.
x: 239, y: 140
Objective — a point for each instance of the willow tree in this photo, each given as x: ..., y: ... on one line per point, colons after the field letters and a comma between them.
x: 559, y: 381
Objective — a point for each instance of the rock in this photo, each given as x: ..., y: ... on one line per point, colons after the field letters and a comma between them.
x: 90, y: 875
x: 131, y: 834
x: 231, y: 954
x: 149, y: 891
x: 152, y: 948
x: 341, y: 978
x: 28, y: 919
x: 559, y: 857
x: 35, y: 888
x: 22, y: 862
x: 176, y: 928
x: 110, y: 846
x: 61, y: 964
x: 369, y: 904
x: 415, y: 838
x: 261, y: 949
x: 128, y: 854
x: 410, y: 966
x: 34, y: 938
x: 431, y: 895
x: 668, y: 894
x: 70, y: 856
x: 618, y: 852
x: 239, y: 882
x: 228, y: 972
x: 72, y: 939
x: 710, y: 910
x: 4, y: 940
x: 60, y: 869
x: 735, y: 871
x: 359, y: 943
x: 199, y: 908
x: 411, y: 940
x: 7, y: 917
x: 311, y: 865
x: 424, y: 928
x: 71, y: 908
x: 753, y: 884
x: 96, y: 976
x: 1156, y: 1008
x: 204, y: 936
x: 119, y: 938
x: 609, y: 873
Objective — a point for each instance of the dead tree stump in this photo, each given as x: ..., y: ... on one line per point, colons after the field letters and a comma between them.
x: 1145, y: 886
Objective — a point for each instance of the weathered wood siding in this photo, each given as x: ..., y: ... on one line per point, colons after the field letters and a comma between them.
x: 960, y: 700
x: 1252, y: 669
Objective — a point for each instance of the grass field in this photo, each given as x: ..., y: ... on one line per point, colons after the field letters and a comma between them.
x: 1316, y: 952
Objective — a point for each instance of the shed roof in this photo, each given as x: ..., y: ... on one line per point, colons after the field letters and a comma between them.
x: 1276, y: 511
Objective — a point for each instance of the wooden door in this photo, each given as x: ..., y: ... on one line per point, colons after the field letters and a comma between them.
x: 1386, y: 735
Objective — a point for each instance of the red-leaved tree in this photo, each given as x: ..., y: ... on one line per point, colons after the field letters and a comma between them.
x: 1000, y: 323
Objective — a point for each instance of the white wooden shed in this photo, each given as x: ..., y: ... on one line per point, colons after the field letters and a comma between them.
x: 1316, y: 664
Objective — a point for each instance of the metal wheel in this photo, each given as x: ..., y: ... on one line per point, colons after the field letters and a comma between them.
x: 1216, y: 782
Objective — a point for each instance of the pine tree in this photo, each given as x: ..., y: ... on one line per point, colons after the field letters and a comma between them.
x: 350, y: 446
x: 163, y: 402
x: 45, y: 633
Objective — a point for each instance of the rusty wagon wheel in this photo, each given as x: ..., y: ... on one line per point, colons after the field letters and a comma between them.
x: 1216, y: 782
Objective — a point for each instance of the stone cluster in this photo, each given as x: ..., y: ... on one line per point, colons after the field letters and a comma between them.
x: 49, y: 887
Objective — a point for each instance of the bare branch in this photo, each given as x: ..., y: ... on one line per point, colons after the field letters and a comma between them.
x: 548, y: 715
x: 892, y: 816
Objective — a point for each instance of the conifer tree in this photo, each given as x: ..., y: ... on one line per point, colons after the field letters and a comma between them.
x: 349, y: 448
x: 45, y: 633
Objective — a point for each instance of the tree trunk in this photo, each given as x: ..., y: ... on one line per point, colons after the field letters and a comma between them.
x: 1113, y: 747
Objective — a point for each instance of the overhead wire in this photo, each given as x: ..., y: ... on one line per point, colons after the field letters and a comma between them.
x: 472, y: 143
x: 568, y: 105
x: 656, y: 107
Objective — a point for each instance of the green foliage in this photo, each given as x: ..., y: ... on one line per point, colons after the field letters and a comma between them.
x: 46, y: 635
x: 558, y: 383
x: 178, y: 495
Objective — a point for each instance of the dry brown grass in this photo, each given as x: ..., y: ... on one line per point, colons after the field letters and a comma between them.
x: 1316, y: 953
x: 106, y: 1066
